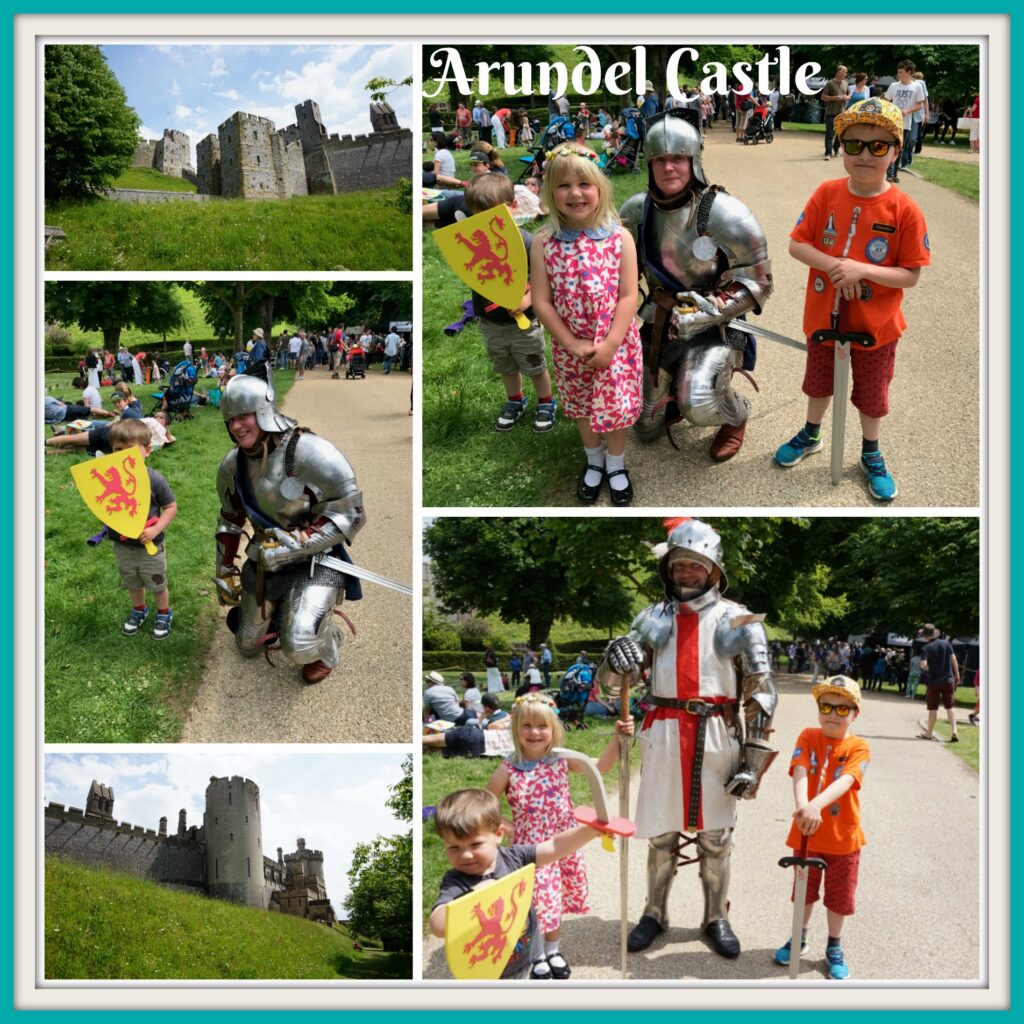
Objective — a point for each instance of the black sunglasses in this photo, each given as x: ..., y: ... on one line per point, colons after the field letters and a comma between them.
x: 876, y: 147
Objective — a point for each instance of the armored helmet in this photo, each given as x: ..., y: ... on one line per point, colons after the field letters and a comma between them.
x: 694, y: 541
x: 673, y: 131
x: 246, y: 393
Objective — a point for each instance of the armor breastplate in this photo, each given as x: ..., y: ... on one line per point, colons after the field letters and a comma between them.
x: 263, y: 485
x: 670, y: 236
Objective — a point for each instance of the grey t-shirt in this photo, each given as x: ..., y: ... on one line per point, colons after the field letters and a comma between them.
x: 160, y: 496
x: 443, y: 701
x: 528, y: 947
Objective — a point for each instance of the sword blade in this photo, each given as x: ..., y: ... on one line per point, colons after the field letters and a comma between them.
x: 364, y: 574
x: 763, y: 332
x: 799, y: 902
x: 840, y: 389
x: 588, y: 766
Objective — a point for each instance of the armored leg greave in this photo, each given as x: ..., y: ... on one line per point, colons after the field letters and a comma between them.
x: 662, y: 861
x: 716, y: 851
x: 657, y: 391
x: 705, y: 393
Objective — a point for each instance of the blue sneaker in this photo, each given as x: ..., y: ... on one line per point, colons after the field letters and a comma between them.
x: 880, y: 483
x: 510, y: 414
x: 162, y: 625
x: 136, y: 617
x: 837, y: 969
x: 798, y: 448
x: 544, y: 417
x: 782, y: 953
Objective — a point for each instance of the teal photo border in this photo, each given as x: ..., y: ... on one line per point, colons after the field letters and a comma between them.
x: 434, y: 997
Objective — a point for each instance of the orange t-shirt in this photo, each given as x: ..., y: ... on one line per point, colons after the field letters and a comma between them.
x: 839, y: 831
x: 891, y: 232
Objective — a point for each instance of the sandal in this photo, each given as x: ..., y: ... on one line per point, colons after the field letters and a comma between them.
x: 621, y: 498
x: 925, y: 736
x: 587, y: 494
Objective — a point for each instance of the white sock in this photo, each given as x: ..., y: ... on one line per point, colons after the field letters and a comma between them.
x: 595, y: 464
x: 550, y: 947
x: 612, y: 463
x: 540, y: 968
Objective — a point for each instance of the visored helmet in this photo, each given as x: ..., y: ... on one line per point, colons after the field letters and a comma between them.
x: 694, y: 541
x: 246, y: 393
x: 674, y: 131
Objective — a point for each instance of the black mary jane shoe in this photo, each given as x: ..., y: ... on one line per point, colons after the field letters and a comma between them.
x: 560, y: 969
x: 621, y: 498
x: 587, y: 494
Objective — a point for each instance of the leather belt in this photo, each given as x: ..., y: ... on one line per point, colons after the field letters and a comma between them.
x: 703, y: 710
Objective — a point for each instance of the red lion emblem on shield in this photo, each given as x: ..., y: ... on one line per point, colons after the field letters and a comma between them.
x: 118, y: 494
x: 492, y: 938
x: 489, y: 252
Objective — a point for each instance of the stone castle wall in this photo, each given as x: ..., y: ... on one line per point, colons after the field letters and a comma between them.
x: 369, y: 161
x: 170, y: 154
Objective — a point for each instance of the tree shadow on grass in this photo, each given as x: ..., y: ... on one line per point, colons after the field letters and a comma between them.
x: 374, y: 963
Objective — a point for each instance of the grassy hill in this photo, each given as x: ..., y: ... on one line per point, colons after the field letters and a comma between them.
x: 151, y: 178
x: 100, y: 924
x: 356, y: 231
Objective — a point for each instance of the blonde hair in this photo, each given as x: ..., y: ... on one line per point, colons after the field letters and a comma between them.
x: 574, y: 159
x: 122, y: 388
x: 466, y: 812
x: 536, y: 709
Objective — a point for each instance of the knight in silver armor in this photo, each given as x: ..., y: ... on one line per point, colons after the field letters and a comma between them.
x: 705, y: 262
x: 703, y: 743
x: 299, y: 496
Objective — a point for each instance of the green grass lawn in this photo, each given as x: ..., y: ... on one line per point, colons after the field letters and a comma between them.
x: 151, y: 178
x: 101, y: 686
x: 104, y: 925
x: 357, y: 231
x: 466, y: 461
x: 442, y: 776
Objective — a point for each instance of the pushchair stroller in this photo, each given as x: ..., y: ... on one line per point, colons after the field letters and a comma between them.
x: 176, y: 398
x: 759, y: 128
x: 560, y: 129
x: 629, y: 152
x: 573, y: 693
x: 356, y: 365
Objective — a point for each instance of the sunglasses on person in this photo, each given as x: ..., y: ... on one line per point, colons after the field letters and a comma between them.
x: 876, y: 147
x: 842, y: 710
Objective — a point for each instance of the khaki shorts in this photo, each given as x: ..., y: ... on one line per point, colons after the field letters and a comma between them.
x: 515, y: 351
x: 139, y: 569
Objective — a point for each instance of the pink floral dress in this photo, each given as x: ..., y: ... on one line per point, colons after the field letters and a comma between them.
x: 541, y: 807
x: 583, y: 271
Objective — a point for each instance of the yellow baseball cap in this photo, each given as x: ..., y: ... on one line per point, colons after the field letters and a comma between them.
x: 873, y: 111
x: 842, y: 686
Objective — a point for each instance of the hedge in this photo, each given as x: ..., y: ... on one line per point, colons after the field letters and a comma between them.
x: 473, y: 661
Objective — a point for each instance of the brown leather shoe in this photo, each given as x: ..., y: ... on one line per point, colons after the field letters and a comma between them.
x: 315, y: 671
x: 727, y: 442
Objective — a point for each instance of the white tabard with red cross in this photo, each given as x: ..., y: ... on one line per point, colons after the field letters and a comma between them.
x: 686, y: 668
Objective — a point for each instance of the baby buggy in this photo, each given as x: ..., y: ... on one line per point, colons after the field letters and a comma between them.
x: 176, y: 398
x: 573, y: 693
x: 356, y: 365
x: 629, y: 147
x: 759, y: 129
x: 560, y: 129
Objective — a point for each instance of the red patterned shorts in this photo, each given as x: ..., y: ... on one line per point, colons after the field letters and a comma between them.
x: 873, y: 371
x: 840, y: 881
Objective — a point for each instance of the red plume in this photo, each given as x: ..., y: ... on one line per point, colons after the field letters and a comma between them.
x: 671, y: 524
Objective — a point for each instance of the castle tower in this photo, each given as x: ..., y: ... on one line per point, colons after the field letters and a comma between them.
x: 162, y: 830
x: 248, y: 169
x: 234, y: 841
x: 100, y: 801
x: 308, y: 865
x: 208, y: 166
x: 173, y: 153
x: 311, y: 126
x: 182, y: 826
x: 382, y: 117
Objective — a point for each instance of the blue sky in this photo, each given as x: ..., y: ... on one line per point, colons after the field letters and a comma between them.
x: 333, y: 801
x: 194, y: 88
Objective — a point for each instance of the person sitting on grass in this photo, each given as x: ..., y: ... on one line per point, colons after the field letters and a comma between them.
x: 140, y: 571
x: 96, y: 440
x: 91, y: 399
x: 490, y: 737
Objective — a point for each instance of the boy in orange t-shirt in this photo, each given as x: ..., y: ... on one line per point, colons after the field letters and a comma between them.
x: 868, y: 241
x: 830, y: 763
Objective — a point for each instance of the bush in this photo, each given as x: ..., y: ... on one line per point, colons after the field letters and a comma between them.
x: 439, y: 633
x: 56, y: 340
x: 476, y: 635
x: 460, y: 661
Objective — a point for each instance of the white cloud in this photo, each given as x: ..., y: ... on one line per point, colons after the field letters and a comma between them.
x: 229, y: 94
x: 218, y: 69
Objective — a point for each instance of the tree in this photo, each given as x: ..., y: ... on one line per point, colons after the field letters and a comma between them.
x: 381, y: 88
x: 90, y: 132
x: 109, y: 306
x: 379, y: 902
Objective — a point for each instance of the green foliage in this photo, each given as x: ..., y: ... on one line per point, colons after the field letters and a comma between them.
x: 109, y: 306
x: 152, y: 179
x: 380, y: 88
x: 103, y: 925
x: 355, y: 231
x: 379, y: 902
x: 439, y: 633
x: 805, y: 608
x: 100, y: 686
x: 477, y: 635
x: 401, y: 196
x: 90, y: 132
x: 56, y: 340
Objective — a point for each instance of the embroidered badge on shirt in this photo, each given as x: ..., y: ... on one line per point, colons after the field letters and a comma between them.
x: 819, y: 284
x: 889, y: 229
x: 828, y: 236
x: 877, y: 249
x: 927, y: 244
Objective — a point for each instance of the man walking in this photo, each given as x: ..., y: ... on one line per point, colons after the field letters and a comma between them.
x: 908, y: 94
x: 941, y: 675
x: 834, y: 97
x: 391, y: 346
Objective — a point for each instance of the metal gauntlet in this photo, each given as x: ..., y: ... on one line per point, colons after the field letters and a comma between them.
x: 322, y: 536
x: 624, y: 656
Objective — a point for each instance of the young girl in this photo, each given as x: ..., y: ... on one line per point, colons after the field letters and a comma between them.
x: 583, y: 279
x: 536, y: 785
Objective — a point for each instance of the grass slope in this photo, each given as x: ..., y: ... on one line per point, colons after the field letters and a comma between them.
x: 151, y: 178
x: 357, y: 231
x: 101, y: 686
x: 104, y: 925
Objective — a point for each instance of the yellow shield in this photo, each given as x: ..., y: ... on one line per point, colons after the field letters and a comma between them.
x: 487, y: 253
x: 115, y: 489
x: 483, y: 927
